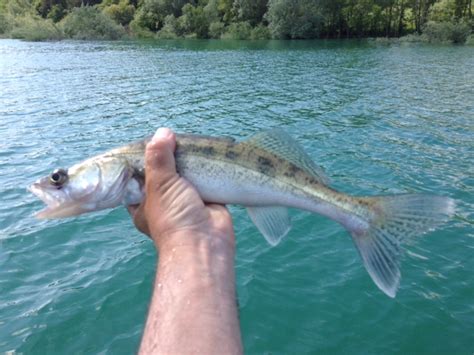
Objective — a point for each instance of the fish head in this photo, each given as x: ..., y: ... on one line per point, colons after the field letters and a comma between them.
x: 87, y: 186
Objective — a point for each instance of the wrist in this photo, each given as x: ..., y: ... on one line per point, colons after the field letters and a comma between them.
x: 191, y: 240
x: 203, y: 263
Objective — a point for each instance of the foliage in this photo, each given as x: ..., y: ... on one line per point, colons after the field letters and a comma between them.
x: 413, y: 38
x: 460, y: 31
x: 194, y: 21
x: 56, y: 13
x: 364, y: 18
x: 422, y: 20
x: 216, y: 29
x: 454, y: 32
x: 238, y: 30
x: 5, y: 23
x: 250, y: 10
x: 149, y: 16
x: 34, y: 28
x: 171, y: 28
x: 227, y: 10
x: 20, y: 8
x: 260, y: 32
x: 122, y: 13
x: 137, y: 29
x: 442, y: 11
x: 211, y: 10
x: 152, y: 13
x: 293, y: 19
x: 88, y: 22
x: 173, y: 7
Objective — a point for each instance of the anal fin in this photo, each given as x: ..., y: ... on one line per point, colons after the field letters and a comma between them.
x: 273, y: 222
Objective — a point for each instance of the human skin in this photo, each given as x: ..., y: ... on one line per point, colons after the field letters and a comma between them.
x: 193, y: 307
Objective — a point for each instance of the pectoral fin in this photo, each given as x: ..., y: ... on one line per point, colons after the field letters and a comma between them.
x: 273, y: 222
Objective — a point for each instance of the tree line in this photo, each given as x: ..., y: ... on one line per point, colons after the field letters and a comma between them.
x: 444, y: 20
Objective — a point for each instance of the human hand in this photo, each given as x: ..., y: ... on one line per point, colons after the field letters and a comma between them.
x: 173, y: 213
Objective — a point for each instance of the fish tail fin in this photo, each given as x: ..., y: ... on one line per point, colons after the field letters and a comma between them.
x: 391, y: 221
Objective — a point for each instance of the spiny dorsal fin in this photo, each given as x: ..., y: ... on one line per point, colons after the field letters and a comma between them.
x: 281, y: 144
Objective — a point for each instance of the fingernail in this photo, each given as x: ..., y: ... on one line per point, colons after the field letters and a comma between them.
x: 162, y: 133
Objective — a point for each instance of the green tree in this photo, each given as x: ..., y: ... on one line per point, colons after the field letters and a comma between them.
x: 194, y: 21
x: 438, y: 20
x: 148, y: 16
x: 334, y: 23
x: 454, y: 32
x: 442, y: 11
x: 172, y: 7
x: 88, y: 22
x: 171, y: 28
x: 293, y: 19
x: 151, y: 13
x: 238, y: 30
x: 419, y: 13
x: 211, y: 11
x: 18, y: 8
x: 44, y: 7
x: 121, y: 13
x: 216, y: 29
x: 260, y: 32
x: 250, y: 10
x: 359, y: 15
x: 226, y: 9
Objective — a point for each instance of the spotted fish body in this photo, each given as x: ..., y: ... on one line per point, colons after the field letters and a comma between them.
x: 267, y: 174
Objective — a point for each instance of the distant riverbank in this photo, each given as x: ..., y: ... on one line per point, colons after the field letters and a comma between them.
x: 446, y: 21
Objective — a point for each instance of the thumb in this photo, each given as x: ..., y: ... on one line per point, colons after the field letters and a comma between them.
x: 160, y: 165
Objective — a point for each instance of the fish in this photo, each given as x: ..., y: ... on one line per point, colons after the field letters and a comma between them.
x: 266, y: 173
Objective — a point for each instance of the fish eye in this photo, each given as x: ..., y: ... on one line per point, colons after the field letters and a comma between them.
x: 58, y: 177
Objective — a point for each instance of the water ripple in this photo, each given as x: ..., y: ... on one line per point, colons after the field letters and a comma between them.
x: 378, y: 119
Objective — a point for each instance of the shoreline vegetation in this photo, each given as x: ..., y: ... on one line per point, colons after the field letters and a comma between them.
x: 388, y: 21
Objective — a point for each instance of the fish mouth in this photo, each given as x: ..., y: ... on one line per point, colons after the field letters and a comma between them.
x: 56, y: 206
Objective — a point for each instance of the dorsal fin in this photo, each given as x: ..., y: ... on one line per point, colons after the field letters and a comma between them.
x: 280, y: 143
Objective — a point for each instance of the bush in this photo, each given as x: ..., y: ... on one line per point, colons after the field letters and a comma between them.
x: 238, y: 30
x: 147, y: 17
x: 5, y: 23
x: 121, y: 13
x: 459, y: 32
x: 32, y: 28
x: 296, y: 19
x: 138, y: 30
x: 413, y: 38
x: 442, y: 11
x: 216, y: 29
x: 194, y: 21
x: 250, y: 10
x: 57, y: 13
x: 260, y: 32
x: 170, y: 30
x: 87, y: 22
x: 470, y: 40
x: 439, y: 32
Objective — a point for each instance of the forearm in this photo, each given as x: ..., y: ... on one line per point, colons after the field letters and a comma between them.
x: 193, y: 309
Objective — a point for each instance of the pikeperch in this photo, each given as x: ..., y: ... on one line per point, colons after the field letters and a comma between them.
x: 266, y: 173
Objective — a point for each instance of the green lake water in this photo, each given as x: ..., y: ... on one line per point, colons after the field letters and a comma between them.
x: 379, y: 119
